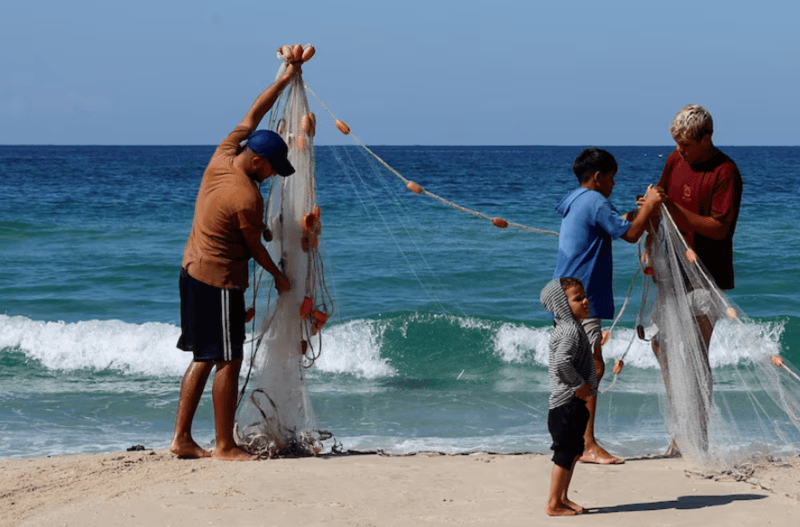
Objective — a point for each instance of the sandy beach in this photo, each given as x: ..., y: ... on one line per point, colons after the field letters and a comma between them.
x: 155, y: 488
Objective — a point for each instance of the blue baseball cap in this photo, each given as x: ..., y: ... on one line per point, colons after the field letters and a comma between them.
x: 272, y: 147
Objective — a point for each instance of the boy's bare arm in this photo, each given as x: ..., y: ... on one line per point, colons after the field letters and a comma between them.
x: 649, y: 205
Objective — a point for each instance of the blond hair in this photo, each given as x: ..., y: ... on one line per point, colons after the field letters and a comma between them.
x: 692, y: 122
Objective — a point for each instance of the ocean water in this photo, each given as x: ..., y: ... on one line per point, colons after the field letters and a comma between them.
x: 438, y: 341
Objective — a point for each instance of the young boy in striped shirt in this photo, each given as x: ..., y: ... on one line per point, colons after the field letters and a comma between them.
x: 573, y: 380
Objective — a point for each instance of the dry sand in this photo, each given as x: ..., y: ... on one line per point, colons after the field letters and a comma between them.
x: 155, y: 488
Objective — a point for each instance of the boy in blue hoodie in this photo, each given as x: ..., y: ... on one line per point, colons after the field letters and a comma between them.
x: 573, y: 381
x: 590, y: 223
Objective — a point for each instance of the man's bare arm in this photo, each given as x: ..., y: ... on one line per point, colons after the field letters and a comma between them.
x: 267, y: 98
x: 262, y: 257
x: 703, y: 225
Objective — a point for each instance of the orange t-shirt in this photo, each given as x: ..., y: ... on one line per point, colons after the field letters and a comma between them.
x: 228, y: 202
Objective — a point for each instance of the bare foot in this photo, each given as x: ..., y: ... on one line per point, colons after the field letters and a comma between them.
x: 190, y: 450
x: 598, y: 455
x: 233, y: 454
x: 574, y: 506
x: 559, y: 509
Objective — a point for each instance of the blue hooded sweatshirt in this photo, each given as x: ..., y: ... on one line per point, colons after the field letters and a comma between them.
x: 590, y: 223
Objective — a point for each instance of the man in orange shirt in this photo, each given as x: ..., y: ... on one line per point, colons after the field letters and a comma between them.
x: 226, y: 232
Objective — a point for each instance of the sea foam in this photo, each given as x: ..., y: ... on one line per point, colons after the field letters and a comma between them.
x: 147, y: 349
x: 354, y: 347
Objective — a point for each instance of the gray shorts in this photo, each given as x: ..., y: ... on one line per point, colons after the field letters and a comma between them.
x: 702, y: 303
x: 594, y: 330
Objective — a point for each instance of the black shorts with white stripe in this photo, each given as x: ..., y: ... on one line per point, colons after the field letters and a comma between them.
x: 212, y: 321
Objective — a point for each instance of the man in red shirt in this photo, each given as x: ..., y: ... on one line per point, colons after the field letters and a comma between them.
x: 226, y: 232
x: 704, y: 194
x: 704, y: 188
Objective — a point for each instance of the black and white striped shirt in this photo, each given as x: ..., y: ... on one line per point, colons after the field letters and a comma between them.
x: 571, y: 361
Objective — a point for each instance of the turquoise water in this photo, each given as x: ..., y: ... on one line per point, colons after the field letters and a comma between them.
x: 438, y: 340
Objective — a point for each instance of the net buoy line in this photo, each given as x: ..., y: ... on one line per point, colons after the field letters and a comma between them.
x: 415, y: 187
x: 349, y: 166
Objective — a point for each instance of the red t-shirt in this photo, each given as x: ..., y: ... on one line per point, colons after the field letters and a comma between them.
x: 711, y: 188
x: 227, y: 203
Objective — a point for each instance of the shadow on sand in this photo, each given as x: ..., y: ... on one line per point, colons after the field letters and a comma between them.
x: 681, y: 503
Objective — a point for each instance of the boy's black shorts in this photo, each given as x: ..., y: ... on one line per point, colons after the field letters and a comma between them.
x: 567, y: 424
x: 212, y: 321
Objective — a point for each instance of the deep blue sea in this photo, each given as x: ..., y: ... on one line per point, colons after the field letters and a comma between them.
x: 438, y: 341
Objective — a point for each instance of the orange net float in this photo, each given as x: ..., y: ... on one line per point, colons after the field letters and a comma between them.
x: 301, y: 142
x: 499, y: 222
x: 605, y: 337
x: 317, y: 212
x: 309, y: 222
x: 309, y: 124
x: 309, y: 241
x: 306, y: 306
x: 320, y: 319
x: 342, y: 126
x: 414, y: 187
x: 777, y: 360
x: 249, y: 314
x: 691, y: 256
x: 287, y: 53
x: 649, y: 271
x: 731, y: 312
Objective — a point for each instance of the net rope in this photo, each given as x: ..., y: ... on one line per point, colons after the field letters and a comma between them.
x: 414, y: 187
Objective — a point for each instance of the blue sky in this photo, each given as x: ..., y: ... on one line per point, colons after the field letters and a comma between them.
x: 436, y: 72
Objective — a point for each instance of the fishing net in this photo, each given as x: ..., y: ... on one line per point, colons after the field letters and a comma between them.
x: 719, y: 409
x: 745, y: 394
x: 275, y: 416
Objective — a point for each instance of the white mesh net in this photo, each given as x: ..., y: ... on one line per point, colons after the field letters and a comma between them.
x: 275, y: 416
x: 712, y: 402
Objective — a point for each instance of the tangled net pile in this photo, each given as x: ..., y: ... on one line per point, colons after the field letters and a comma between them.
x: 755, y: 398
x: 275, y: 417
